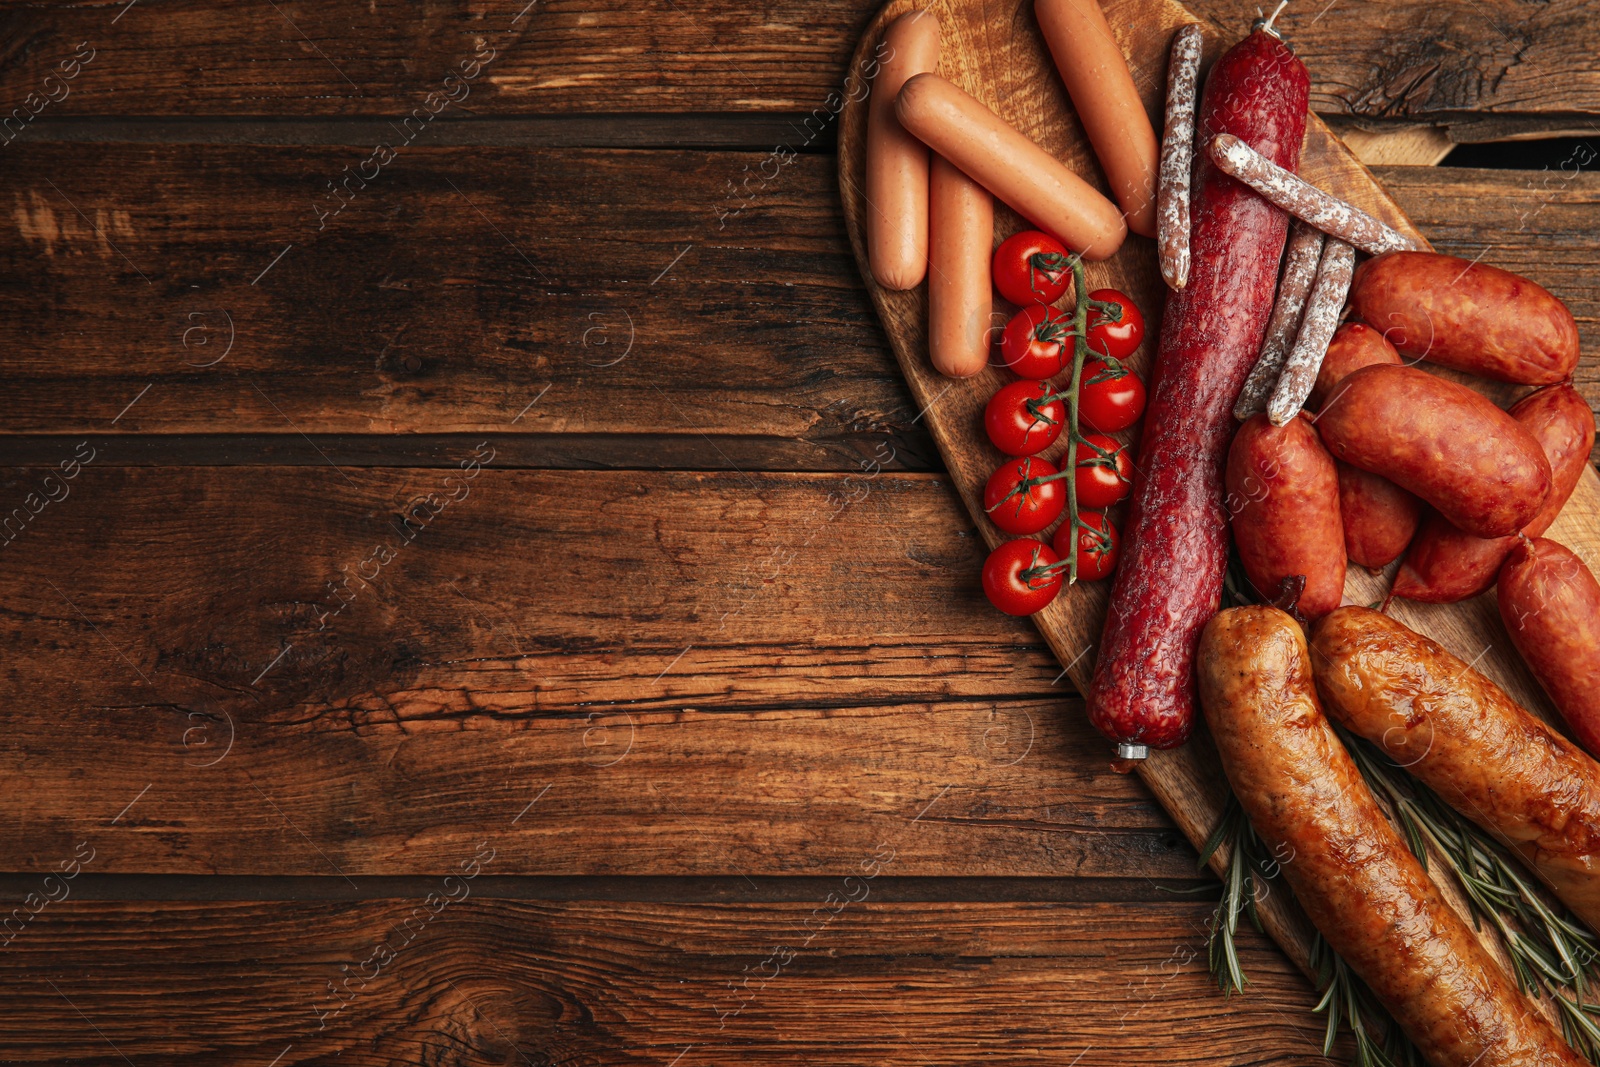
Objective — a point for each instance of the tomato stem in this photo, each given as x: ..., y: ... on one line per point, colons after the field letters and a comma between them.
x: 1080, y: 351
x: 1050, y: 264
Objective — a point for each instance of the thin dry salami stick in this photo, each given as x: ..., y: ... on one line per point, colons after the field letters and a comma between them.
x: 1321, y: 318
x: 1177, y: 157
x: 1299, y: 270
x: 1305, y: 201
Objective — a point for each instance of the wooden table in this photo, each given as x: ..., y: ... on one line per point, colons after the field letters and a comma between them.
x: 478, y: 592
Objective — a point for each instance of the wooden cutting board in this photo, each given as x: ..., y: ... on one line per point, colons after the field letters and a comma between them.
x: 993, y: 49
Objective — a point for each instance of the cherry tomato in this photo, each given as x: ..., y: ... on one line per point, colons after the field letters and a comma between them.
x: 1031, y: 268
x: 1115, y: 339
x: 1008, y: 584
x: 1109, y: 399
x: 1036, y: 342
x: 1019, y: 430
x: 1018, y: 502
x: 1097, y: 545
x: 1104, y: 472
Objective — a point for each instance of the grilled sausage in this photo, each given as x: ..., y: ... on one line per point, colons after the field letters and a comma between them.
x: 1444, y: 564
x: 1469, y: 316
x: 897, y: 163
x: 1442, y: 441
x: 1283, y: 497
x: 1551, y: 606
x: 998, y: 157
x: 1347, y: 865
x: 1461, y: 734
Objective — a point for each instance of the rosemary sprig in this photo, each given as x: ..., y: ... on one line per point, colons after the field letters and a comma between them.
x: 1245, y: 856
x: 1552, y: 954
x: 1345, y: 998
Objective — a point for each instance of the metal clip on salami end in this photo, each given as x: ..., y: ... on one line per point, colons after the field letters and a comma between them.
x: 1265, y: 25
x: 1127, y: 750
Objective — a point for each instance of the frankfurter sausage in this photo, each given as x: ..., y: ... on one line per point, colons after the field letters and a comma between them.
x: 1469, y: 316
x: 1380, y: 518
x: 1444, y: 564
x: 1550, y: 603
x: 1283, y: 496
x: 1175, y: 545
x: 1467, y: 740
x: 995, y: 155
x: 1354, y: 345
x: 1107, y: 103
x: 897, y: 163
x: 1347, y: 865
x: 960, y: 240
x: 1442, y: 441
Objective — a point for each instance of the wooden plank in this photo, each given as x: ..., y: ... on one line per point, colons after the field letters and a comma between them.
x: 1415, y: 60
x: 487, y: 981
x: 907, y: 449
x: 1437, y: 60
x: 683, y: 673
x: 475, y: 290
x: 768, y: 308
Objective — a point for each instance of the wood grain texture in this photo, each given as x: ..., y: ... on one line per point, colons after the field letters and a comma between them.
x: 1014, y: 75
x: 499, y: 982
x: 1415, y: 60
x: 414, y: 312
x: 710, y: 673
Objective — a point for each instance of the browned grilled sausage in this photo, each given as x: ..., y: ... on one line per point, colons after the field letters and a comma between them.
x: 1347, y: 866
x: 1472, y: 744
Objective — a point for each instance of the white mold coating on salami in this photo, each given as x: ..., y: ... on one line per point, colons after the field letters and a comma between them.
x: 1299, y: 270
x: 1305, y: 201
x: 1316, y: 330
x: 1177, y: 157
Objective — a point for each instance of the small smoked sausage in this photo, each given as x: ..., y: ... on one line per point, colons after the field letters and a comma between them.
x: 1177, y: 158
x: 1469, y: 316
x: 1107, y: 103
x: 1459, y: 733
x: 1444, y: 564
x: 998, y: 157
x: 960, y: 242
x: 1283, y: 498
x: 1442, y: 441
x: 897, y: 163
x: 1380, y: 518
x: 1348, y: 867
x: 1354, y: 345
x: 1550, y: 603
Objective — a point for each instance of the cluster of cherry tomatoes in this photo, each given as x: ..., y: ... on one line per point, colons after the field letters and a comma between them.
x: 1027, y: 493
